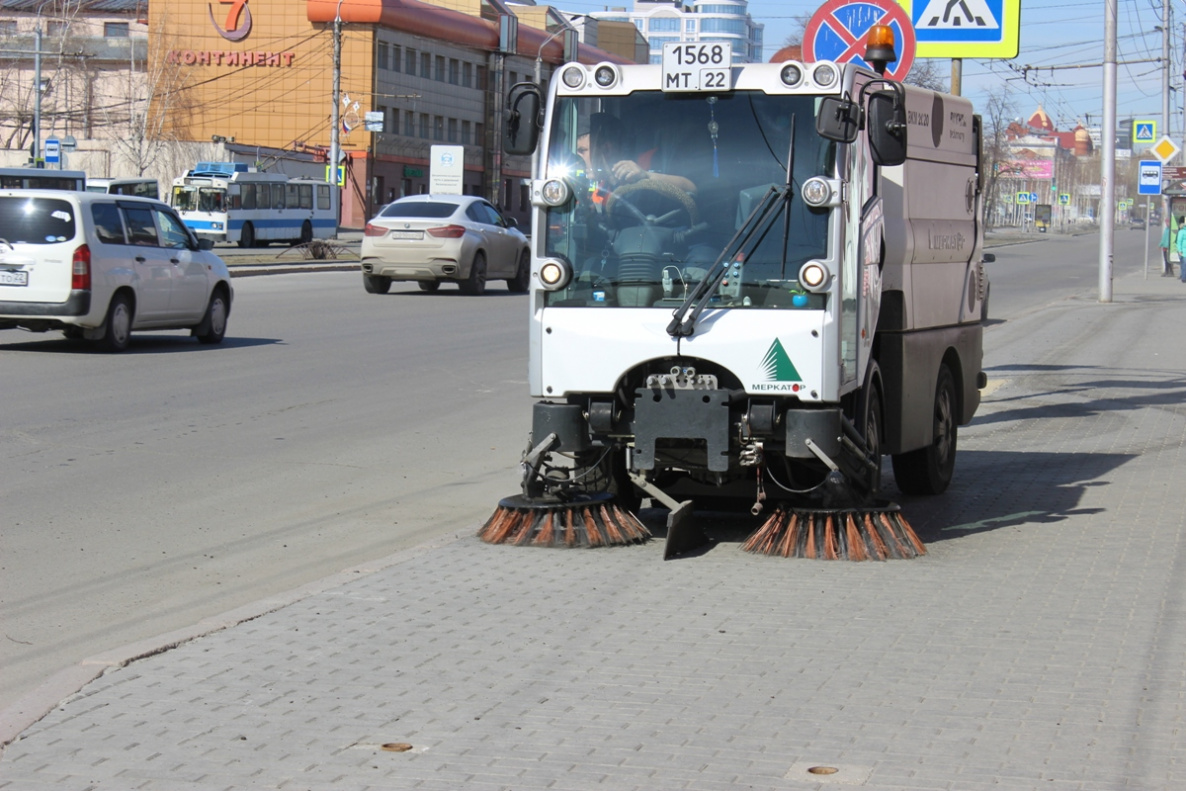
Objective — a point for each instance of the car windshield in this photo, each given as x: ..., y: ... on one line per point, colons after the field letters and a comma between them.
x: 661, y: 184
x: 431, y: 210
x: 36, y: 220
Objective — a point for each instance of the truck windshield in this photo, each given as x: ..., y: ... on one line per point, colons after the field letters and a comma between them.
x: 661, y: 184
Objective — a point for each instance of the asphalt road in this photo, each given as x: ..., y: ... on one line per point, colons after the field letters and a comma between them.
x: 146, y: 491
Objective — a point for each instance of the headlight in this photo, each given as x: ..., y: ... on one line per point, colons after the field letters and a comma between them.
x: 814, y: 276
x: 554, y: 274
x: 792, y: 75
x: 605, y: 75
x: 573, y: 77
x: 816, y: 192
x: 824, y: 75
x: 555, y: 192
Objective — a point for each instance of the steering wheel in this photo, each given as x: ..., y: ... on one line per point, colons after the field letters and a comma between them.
x: 632, y: 200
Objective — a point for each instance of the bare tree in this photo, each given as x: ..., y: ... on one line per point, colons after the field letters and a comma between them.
x: 997, y: 114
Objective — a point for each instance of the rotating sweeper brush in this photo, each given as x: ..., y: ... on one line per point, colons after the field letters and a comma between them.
x: 554, y: 510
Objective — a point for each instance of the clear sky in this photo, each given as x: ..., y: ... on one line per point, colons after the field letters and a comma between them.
x: 1053, y: 33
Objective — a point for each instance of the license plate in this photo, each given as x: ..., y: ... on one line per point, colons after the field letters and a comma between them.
x: 407, y: 234
x: 11, y: 277
x: 697, y: 67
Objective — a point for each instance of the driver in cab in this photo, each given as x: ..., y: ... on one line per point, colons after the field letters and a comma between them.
x: 602, y: 145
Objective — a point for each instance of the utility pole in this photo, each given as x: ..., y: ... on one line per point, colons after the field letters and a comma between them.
x: 1166, y: 27
x: 37, y: 90
x: 1108, y: 163
x: 335, y: 118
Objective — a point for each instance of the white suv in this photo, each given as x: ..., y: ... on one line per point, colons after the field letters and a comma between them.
x: 99, y: 266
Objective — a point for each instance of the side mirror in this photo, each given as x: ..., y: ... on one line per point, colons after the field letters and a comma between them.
x: 511, y: 222
x: 838, y: 119
x: 987, y: 258
x: 523, y: 121
x: 205, y: 244
x: 887, y: 128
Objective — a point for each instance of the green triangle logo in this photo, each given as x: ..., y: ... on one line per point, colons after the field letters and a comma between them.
x: 778, y: 366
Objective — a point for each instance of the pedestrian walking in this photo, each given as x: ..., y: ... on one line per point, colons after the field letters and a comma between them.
x: 1167, y: 247
x: 1181, y: 250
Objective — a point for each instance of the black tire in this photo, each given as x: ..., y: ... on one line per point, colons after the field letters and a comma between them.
x: 376, y: 284
x: 247, y: 235
x: 306, y: 233
x: 872, y: 422
x: 929, y: 470
x: 475, y: 284
x: 213, y: 327
x: 522, y: 279
x: 429, y: 286
x: 118, y: 324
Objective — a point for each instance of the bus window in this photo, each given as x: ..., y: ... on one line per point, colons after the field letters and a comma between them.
x: 306, y: 191
x: 323, y: 201
x: 277, y: 196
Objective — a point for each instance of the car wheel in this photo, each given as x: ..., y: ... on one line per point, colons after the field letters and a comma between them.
x: 928, y: 470
x: 376, y: 284
x: 429, y: 286
x: 118, y: 325
x: 213, y: 326
x: 306, y: 232
x: 475, y: 284
x: 522, y: 279
x: 247, y: 235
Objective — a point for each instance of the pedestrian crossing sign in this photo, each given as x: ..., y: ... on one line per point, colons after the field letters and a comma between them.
x: 1144, y: 131
x: 965, y: 28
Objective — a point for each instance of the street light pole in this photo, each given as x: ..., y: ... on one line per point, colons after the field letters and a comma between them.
x: 539, y: 56
x: 37, y: 90
x: 335, y: 118
x: 1108, y: 176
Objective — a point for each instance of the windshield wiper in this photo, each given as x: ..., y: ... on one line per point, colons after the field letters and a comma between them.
x: 747, y: 239
x: 758, y: 224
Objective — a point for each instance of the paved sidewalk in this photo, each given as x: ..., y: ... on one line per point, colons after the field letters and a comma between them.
x: 1039, y: 644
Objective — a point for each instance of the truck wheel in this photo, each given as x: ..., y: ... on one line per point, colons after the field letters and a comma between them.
x: 871, y: 408
x: 376, y: 284
x: 522, y: 279
x: 928, y: 470
x: 118, y: 325
x: 475, y: 284
x: 247, y: 235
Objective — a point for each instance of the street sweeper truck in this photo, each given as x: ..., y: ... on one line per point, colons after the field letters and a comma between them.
x: 748, y: 282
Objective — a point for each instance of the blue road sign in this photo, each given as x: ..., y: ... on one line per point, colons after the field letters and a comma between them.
x: 1144, y: 131
x: 1150, y: 177
x: 53, y: 151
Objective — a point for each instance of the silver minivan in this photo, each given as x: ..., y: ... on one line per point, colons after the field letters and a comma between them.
x: 98, y: 266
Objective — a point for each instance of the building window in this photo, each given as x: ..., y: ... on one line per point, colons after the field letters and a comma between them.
x: 467, y: 75
x: 438, y: 128
x: 689, y: 25
x: 409, y: 124
x: 57, y: 29
x: 381, y: 56
x: 426, y: 65
x: 410, y: 62
x: 454, y: 71
x: 396, y: 54
x: 664, y: 25
x: 479, y: 135
x: 115, y: 30
x: 424, y: 131
x: 440, y: 77
x: 481, y: 76
x: 394, y: 127
x: 452, y: 130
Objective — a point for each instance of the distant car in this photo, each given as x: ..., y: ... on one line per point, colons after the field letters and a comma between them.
x: 434, y: 239
x: 1136, y: 223
x: 98, y: 266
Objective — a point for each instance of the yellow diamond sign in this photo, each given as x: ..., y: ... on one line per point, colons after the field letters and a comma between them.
x: 1165, y: 150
